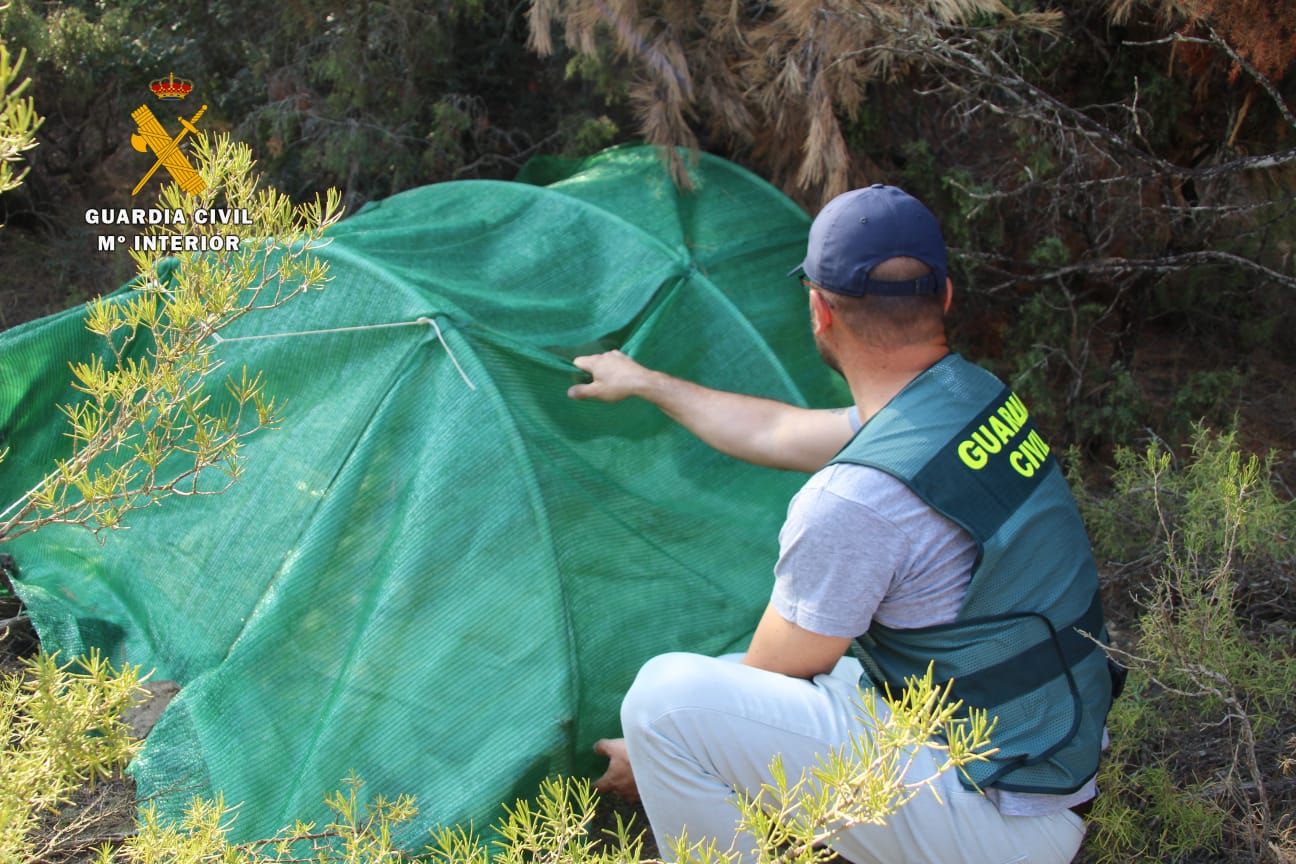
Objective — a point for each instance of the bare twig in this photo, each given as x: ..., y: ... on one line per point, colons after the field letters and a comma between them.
x: 1163, y: 264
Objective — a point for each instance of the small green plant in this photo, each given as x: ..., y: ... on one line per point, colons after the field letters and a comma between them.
x: 61, y: 727
x: 358, y: 833
x: 791, y: 821
x: 1148, y: 810
x: 1208, y: 396
x: 1070, y: 389
x: 1050, y: 252
x: 585, y: 135
x: 863, y: 782
x: 1193, y: 742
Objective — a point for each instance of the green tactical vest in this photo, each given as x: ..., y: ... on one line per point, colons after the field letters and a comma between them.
x: 965, y: 444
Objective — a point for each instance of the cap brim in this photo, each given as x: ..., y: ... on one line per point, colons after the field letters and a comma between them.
x: 798, y: 270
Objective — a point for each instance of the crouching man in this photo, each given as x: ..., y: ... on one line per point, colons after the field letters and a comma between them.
x: 936, y: 526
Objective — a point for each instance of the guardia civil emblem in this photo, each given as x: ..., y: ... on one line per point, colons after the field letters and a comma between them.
x: 152, y: 136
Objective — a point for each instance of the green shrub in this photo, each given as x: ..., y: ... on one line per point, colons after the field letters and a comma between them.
x: 1193, y: 741
x: 61, y: 727
x: 863, y: 781
x: 1208, y: 396
x: 1057, y: 369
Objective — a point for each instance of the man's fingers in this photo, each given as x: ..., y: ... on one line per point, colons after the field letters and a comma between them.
x: 588, y: 390
x: 588, y: 362
x: 615, y: 783
x: 612, y: 748
x: 614, y: 377
x: 619, y: 777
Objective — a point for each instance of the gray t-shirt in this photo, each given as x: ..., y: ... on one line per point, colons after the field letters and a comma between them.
x: 858, y: 546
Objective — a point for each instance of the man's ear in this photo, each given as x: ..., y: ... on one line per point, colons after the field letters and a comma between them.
x: 820, y: 311
x: 949, y: 293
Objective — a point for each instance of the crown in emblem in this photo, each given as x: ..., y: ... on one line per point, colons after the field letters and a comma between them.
x: 171, y: 87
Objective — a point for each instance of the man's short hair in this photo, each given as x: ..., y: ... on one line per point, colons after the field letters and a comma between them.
x: 892, y: 322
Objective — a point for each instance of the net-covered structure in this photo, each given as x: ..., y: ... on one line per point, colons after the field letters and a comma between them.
x: 442, y: 573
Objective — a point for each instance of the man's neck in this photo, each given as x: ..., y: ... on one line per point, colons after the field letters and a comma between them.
x: 876, y: 376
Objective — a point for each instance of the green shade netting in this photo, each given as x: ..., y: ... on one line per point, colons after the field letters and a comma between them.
x: 446, y: 590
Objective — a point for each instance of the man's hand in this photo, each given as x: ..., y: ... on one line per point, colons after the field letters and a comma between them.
x: 618, y: 777
x: 615, y: 375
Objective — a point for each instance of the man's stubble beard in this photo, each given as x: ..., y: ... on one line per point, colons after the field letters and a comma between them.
x: 826, y: 353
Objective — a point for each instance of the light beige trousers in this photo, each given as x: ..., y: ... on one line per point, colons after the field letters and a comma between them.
x: 697, y: 728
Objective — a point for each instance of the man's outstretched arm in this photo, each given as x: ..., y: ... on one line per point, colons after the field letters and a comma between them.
x: 763, y: 431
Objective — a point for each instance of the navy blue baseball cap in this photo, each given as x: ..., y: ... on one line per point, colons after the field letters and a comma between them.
x: 860, y: 229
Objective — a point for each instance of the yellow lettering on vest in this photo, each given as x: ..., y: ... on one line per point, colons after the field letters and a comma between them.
x: 1000, y: 429
x: 1009, y: 418
x: 993, y: 435
x: 1034, y: 449
x: 1037, y: 445
x: 983, y: 437
x: 972, y: 455
x: 1016, y: 410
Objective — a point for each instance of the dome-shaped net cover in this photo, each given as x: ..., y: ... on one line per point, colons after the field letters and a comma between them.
x: 445, y: 590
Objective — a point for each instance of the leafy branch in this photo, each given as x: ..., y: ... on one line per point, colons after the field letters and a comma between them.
x: 864, y: 781
x: 147, y: 425
x: 18, y: 119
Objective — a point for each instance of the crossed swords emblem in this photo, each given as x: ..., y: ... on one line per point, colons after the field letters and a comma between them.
x: 151, y: 136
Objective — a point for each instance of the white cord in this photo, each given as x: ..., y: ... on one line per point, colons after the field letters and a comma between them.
x: 218, y: 339
x: 441, y: 339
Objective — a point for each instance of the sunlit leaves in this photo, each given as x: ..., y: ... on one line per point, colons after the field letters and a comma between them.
x: 18, y: 119
x: 61, y: 727
x: 151, y: 423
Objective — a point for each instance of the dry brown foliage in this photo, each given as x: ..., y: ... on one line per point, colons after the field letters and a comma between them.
x: 1262, y: 31
x: 1066, y: 153
x: 776, y: 77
